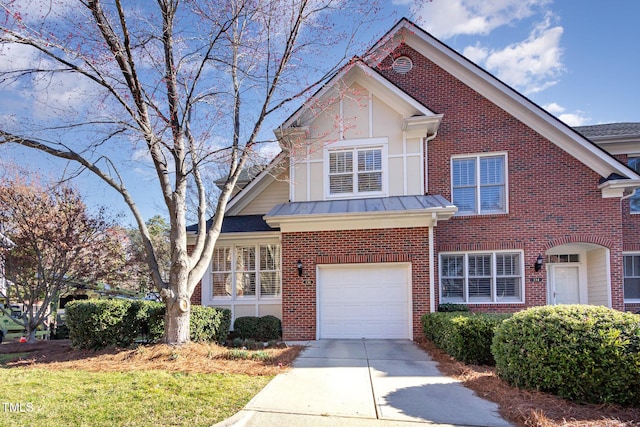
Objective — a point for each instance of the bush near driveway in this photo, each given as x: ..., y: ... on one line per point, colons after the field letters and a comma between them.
x: 265, y: 328
x: 466, y: 337
x: 582, y: 353
x: 96, y: 324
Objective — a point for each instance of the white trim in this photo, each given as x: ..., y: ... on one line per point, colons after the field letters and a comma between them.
x: 361, y: 220
x: 255, y: 187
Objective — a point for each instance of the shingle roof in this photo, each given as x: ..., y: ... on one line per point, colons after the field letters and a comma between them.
x: 239, y: 224
x: 377, y: 204
x: 609, y: 129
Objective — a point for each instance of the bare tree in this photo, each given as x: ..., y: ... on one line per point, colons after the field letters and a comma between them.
x: 190, y: 83
x: 55, y: 243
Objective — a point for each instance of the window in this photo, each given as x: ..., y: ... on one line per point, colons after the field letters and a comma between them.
x: 481, y: 277
x: 634, y: 201
x: 632, y: 277
x: 355, y: 171
x: 479, y: 184
x: 246, y: 272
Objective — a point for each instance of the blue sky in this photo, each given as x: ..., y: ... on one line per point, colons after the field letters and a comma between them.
x: 579, y: 60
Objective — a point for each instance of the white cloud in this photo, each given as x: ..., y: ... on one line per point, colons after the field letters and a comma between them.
x: 554, y: 108
x: 476, y: 53
x: 448, y: 18
x: 531, y: 65
x: 572, y: 119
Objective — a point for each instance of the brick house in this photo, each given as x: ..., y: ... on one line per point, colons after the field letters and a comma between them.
x: 415, y: 178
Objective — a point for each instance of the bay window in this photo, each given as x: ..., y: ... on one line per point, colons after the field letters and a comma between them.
x: 246, y: 272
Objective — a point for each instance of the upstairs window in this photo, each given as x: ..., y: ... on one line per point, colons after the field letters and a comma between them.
x: 479, y: 184
x: 355, y: 171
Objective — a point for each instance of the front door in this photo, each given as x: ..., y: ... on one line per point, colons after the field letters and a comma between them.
x: 565, y: 285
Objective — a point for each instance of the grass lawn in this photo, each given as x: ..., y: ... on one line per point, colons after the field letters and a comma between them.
x: 137, y: 398
x: 50, y: 384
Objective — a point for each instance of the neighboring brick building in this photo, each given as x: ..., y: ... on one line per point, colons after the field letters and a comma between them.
x: 425, y: 180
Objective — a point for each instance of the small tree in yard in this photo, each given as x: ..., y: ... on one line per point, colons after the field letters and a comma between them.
x: 189, y: 83
x: 55, y: 242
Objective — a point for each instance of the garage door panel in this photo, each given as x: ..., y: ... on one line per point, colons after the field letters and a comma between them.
x: 364, y: 301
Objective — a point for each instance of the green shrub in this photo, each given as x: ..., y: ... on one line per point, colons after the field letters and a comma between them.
x: 265, y: 328
x: 583, y: 353
x: 98, y: 324
x: 448, y: 307
x: 467, y: 337
x: 209, y: 323
x: 246, y: 327
x: 269, y: 328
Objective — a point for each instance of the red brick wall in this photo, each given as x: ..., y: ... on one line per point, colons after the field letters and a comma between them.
x: 353, y: 246
x: 553, y: 197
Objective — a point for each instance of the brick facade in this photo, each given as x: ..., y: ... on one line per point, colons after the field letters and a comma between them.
x: 344, y: 247
x: 553, y: 198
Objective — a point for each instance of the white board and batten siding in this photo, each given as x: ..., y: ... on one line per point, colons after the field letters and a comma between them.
x: 364, y: 301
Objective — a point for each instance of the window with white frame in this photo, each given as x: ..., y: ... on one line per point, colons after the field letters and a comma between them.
x: 485, y: 277
x: 632, y: 277
x: 246, y: 272
x: 634, y: 201
x: 479, y: 184
x: 355, y: 171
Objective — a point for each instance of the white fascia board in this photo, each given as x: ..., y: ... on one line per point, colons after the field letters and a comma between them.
x: 517, y: 105
x: 619, y: 187
x: 370, y: 79
x: 250, y: 236
x: 361, y: 220
x: 254, y: 188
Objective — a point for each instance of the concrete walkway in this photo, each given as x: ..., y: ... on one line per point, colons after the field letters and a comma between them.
x: 365, y: 383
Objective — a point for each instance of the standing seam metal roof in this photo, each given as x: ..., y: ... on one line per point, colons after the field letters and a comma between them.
x: 354, y: 206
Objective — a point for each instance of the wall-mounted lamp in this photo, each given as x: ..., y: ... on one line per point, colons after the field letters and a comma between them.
x: 299, y: 265
x: 538, y: 265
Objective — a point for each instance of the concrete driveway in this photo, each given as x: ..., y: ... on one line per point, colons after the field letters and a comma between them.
x: 362, y: 383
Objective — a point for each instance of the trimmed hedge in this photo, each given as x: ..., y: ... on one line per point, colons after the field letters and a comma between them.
x: 466, y: 337
x: 263, y: 328
x: 97, y: 324
x: 583, y: 353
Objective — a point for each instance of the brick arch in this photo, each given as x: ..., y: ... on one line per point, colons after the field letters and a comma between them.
x: 580, y: 238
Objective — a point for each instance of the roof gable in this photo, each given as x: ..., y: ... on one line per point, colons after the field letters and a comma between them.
x: 358, y: 72
x: 502, y: 95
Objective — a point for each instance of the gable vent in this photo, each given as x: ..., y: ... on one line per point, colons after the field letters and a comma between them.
x: 402, y: 65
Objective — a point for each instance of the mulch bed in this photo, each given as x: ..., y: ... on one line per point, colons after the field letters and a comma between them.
x: 191, y: 358
x: 527, y: 407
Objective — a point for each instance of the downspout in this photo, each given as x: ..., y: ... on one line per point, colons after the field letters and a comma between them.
x: 432, y: 270
x: 434, y: 222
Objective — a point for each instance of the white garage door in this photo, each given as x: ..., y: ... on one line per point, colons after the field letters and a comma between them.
x: 364, y: 301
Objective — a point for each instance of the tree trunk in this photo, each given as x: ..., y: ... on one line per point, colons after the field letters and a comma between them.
x: 176, y: 322
x: 31, y: 332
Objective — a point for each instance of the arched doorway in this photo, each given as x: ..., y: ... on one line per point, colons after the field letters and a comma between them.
x: 578, y: 273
